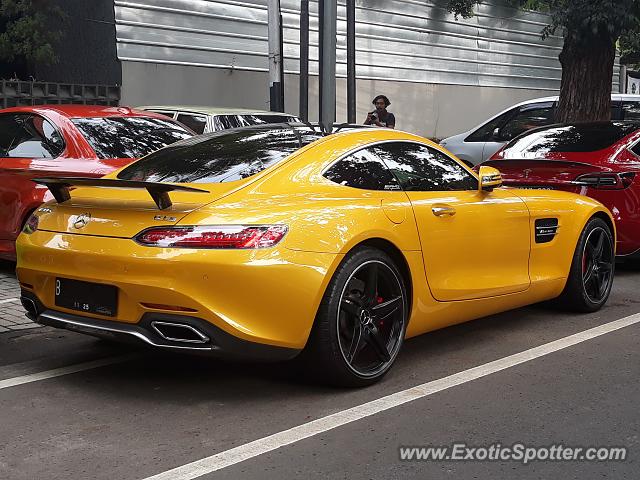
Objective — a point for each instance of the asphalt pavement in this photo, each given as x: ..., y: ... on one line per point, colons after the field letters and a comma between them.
x: 75, y: 407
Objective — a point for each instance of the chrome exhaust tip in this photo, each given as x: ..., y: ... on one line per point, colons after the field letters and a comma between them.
x: 179, y: 332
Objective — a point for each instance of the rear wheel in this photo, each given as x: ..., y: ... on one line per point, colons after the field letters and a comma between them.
x: 591, y: 276
x: 361, y: 322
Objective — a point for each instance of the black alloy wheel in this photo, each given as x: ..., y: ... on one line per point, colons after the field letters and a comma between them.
x: 371, y: 318
x: 597, y: 264
x: 592, y: 269
x: 361, y: 322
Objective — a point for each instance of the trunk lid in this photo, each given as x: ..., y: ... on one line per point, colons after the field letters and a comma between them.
x: 123, y: 212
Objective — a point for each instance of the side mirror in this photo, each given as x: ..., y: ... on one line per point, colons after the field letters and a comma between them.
x: 489, y: 178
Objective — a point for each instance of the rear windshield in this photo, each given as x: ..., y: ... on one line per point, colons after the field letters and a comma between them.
x: 220, y: 157
x: 587, y: 137
x: 129, y: 137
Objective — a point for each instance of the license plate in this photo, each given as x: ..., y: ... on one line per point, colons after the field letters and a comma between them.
x: 536, y: 187
x: 86, y: 297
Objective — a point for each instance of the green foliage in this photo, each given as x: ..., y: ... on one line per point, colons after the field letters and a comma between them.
x: 25, y: 32
x: 591, y: 30
x: 584, y: 20
x: 629, y: 46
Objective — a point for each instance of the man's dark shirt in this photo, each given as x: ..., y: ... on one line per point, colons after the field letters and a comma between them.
x: 385, y: 118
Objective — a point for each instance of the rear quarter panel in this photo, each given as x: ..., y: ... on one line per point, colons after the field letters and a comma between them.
x: 552, y: 260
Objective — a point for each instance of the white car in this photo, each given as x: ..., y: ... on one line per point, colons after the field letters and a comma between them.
x: 203, y: 119
x: 480, y: 143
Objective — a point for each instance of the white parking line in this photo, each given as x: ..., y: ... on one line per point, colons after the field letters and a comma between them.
x: 287, y: 437
x: 8, y: 300
x: 58, y: 372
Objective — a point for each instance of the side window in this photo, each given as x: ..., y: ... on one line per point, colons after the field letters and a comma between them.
x: 224, y: 122
x: 197, y: 123
x: 485, y: 132
x: 29, y: 136
x: 421, y: 168
x: 530, y: 116
x: 362, y: 170
x: 630, y: 111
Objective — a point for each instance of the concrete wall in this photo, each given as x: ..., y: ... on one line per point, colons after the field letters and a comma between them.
x: 433, y: 110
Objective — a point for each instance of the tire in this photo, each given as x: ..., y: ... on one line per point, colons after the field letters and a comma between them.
x: 360, y: 325
x: 592, y: 269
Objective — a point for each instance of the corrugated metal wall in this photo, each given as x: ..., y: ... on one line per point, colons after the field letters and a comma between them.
x: 402, y: 40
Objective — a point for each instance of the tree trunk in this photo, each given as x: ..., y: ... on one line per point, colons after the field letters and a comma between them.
x: 587, y: 74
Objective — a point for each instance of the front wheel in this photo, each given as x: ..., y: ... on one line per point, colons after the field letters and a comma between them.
x: 361, y: 322
x: 591, y: 276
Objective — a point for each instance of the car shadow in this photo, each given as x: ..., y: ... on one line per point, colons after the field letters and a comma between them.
x: 165, y: 377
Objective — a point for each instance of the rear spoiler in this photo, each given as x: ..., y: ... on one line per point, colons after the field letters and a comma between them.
x: 548, y: 161
x: 60, y: 187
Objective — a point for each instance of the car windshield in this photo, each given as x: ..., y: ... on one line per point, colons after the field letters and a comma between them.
x: 129, y: 137
x: 587, y: 137
x: 221, y: 157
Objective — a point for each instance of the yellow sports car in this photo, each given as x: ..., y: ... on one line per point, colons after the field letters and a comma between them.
x: 269, y: 241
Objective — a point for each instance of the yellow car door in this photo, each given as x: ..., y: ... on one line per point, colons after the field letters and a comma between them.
x: 475, y: 244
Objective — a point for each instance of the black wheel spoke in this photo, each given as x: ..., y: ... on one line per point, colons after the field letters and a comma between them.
x: 594, y: 282
x: 384, y: 309
x: 356, y: 342
x: 599, y: 247
x: 371, y: 286
x: 351, y: 307
x: 373, y: 339
x: 601, y: 283
x: 605, y: 267
x: 588, y: 275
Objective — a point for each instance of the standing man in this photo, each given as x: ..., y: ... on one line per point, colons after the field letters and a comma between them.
x: 380, y: 117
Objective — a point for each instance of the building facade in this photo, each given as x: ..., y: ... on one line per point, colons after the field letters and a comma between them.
x: 443, y: 75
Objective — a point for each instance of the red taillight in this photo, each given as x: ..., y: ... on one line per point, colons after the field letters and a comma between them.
x: 606, y: 181
x: 222, y: 236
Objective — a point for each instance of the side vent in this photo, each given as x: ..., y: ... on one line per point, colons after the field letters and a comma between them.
x: 546, y: 229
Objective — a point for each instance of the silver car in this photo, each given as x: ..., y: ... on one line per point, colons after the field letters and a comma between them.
x: 202, y: 119
x: 480, y: 143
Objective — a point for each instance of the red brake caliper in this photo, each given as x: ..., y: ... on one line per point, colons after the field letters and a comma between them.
x: 380, y: 300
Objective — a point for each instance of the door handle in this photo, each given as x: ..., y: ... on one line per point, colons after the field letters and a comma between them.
x: 443, y: 211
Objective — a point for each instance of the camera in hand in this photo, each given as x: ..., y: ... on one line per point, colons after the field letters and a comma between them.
x: 374, y: 116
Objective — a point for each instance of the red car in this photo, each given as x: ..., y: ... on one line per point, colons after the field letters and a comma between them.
x: 68, y: 140
x: 600, y: 160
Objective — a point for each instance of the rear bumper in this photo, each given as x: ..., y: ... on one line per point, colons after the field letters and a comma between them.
x: 265, y: 296
x: 213, y: 341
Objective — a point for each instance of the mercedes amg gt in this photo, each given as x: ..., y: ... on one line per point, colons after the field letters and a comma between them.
x: 272, y: 241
